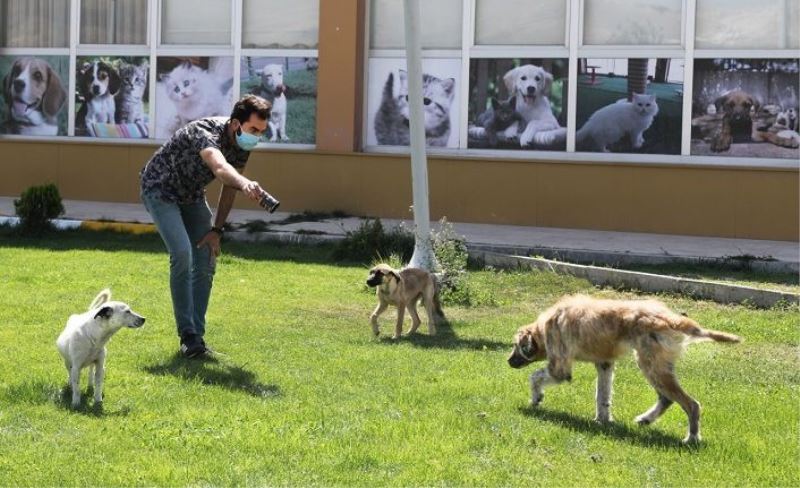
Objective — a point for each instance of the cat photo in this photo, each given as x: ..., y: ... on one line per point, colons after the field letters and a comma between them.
x: 111, y: 97
x: 517, y: 103
x: 191, y: 88
x: 629, y: 106
x: 389, y: 110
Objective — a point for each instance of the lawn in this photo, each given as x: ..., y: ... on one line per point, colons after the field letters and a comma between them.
x: 302, y: 395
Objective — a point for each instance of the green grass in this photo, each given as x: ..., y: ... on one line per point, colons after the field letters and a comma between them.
x: 302, y: 395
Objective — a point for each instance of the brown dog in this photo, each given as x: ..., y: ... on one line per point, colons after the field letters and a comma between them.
x: 403, y: 289
x: 581, y: 328
x: 34, y: 95
x: 740, y: 114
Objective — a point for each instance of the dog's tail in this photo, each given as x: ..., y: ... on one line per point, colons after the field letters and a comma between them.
x: 437, y: 303
x: 100, y: 299
x: 693, y: 329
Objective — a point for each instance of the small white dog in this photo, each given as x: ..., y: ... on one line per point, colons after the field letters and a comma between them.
x: 83, y: 341
x: 272, y: 88
x: 531, y: 85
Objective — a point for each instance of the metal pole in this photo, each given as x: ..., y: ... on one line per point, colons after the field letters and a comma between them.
x: 423, y: 248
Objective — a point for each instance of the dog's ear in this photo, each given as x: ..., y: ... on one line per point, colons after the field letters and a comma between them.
x: 395, y: 274
x: 513, y: 102
x: 527, y: 344
x: 548, y: 83
x: 55, y: 95
x: 104, y: 313
x: 113, y: 78
x: 510, y: 78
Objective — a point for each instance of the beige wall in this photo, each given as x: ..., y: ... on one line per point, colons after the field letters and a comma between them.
x: 748, y: 203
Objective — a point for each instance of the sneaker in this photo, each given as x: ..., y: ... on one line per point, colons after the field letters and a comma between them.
x: 206, y: 349
x: 191, y: 346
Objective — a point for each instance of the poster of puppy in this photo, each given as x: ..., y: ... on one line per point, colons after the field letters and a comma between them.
x: 290, y: 84
x: 190, y: 88
x: 388, y: 109
x: 517, y: 104
x: 746, y: 108
x: 629, y: 105
x: 111, y: 97
x: 33, y: 95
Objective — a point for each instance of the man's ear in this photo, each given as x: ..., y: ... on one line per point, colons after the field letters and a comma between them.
x: 104, y: 313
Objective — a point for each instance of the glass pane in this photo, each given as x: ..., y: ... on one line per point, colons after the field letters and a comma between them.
x: 441, y: 24
x: 196, y: 22
x: 623, y: 22
x: 34, y: 23
x: 114, y: 22
x: 508, y: 22
x: 35, y: 101
x: 746, y: 24
x: 745, y: 108
x: 279, y: 24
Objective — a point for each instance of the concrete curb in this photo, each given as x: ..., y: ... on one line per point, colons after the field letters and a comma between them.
x: 647, y: 282
x: 67, y: 224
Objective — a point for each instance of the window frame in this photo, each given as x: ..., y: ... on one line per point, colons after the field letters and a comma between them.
x: 574, y: 49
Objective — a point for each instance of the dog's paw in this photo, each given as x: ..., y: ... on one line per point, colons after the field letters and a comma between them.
x: 536, y: 399
x: 643, y: 420
x: 604, y: 420
x: 691, y: 440
x: 285, y: 138
x: 721, y: 143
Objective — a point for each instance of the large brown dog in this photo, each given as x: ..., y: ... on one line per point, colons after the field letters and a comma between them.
x: 581, y: 328
x: 739, y: 114
x: 403, y: 288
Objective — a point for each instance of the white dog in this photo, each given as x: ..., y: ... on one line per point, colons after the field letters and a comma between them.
x: 83, y: 341
x: 272, y: 89
x: 531, y: 85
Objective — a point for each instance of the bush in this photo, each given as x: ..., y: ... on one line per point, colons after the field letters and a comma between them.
x: 371, y: 241
x: 452, y: 257
x: 37, y: 206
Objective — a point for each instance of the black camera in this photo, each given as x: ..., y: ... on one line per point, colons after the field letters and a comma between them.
x: 268, y: 202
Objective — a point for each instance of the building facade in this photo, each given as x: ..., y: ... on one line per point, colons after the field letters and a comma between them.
x: 665, y: 116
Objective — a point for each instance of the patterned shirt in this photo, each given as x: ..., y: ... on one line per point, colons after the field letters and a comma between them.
x: 176, y: 173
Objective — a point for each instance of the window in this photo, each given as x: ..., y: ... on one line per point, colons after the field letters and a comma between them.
x: 508, y: 22
x: 196, y: 22
x: 280, y: 24
x: 440, y: 29
x: 34, y: 23
x: 746, y: 24
x: 626, y: 22
x: 113, y: 21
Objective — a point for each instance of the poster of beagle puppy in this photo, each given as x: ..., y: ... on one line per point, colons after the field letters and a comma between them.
x: 33, y: 96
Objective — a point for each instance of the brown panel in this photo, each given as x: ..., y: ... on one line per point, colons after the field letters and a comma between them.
x: 340, y: 73
x: 26, y: 164
x: 767, y: 205
x: 96, y: 172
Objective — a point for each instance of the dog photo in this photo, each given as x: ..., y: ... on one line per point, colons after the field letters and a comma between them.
x: 190, y: 88
x: 518, y: 104
x: 580, y: 328
x: 112, y: 97
x: 388, y: 108
x: 290, y: 84
x: 629, y: 105
x: 746, y: 108
x: 33, y: 95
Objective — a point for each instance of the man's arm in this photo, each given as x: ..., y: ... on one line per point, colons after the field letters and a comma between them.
x: 226, y: 198
x: 228, y: 175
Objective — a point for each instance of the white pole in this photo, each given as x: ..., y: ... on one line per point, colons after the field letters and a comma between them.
x: 423, y: 249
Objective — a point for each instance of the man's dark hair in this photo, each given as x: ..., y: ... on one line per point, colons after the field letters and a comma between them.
x: 251, y: 104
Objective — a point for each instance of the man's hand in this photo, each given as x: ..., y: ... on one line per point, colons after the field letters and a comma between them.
x: 252, y: 189
x: 211, y: 239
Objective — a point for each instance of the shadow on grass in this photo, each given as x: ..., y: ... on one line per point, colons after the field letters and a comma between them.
x: 645, y: 436
x: 41, y: 393
x: 445, y: 338
x: 213, y: 372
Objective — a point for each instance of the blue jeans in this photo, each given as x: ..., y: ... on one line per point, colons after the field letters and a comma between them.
x: 191, y: 269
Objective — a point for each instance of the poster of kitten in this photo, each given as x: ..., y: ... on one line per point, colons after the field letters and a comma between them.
x: 33, y: 95
x: 112, y: 97
x: 629, y: 105
x: 290, y: 84
x: 517, y: 104
x: 190, y: 88
x: 746, y: 108
x: 387, y: 102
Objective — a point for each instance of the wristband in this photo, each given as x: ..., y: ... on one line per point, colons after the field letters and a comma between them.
x: 218, y: 230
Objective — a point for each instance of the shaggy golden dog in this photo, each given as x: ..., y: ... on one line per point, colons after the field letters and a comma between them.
x: 581, y: 328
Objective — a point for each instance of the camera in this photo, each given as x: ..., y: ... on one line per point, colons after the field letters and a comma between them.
x: 268, y: 202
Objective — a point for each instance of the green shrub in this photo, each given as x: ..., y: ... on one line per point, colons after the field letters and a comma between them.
x: 37, y: 206
x: 371, y: 241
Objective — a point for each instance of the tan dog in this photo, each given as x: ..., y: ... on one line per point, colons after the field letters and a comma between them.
x: 581, y: 328
x: 403, y: 289
x: 35, y: 96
